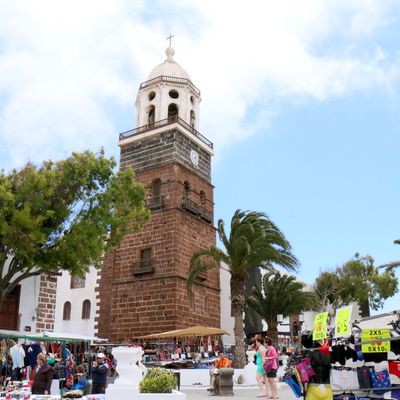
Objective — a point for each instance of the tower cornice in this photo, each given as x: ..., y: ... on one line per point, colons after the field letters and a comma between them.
x: 146, y: 131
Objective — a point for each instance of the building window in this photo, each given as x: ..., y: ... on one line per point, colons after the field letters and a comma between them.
x: 173, y: 94
x: 202, y: 197
x: 145, y: 258
x: 77, y: 282
x: 86, y: 309
x: 67, y: 311
x: 9, y: 310
x: 186, y: 189
x: 172, y: 111
x: 192, y: 118
x: 152, y: 112
x: 156, y: 188
x: 152, y: 95
x: 206, y: 304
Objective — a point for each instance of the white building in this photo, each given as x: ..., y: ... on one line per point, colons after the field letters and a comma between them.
x: 50, y: 304
x: 76, y: 304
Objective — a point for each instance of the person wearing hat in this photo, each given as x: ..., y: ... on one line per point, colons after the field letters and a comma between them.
x: 99, y: 374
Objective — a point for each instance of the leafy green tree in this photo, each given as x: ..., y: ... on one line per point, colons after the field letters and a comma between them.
x: 280, y: 294
x: 64, y: 215
x: 254, y: 241
x: 358, y: 280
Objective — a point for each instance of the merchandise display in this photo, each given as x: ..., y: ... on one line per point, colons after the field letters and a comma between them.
x: 362, y: 365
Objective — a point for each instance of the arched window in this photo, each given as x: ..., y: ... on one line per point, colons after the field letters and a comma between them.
x: 67, y: 311
x: 202, y: 197
x: 186, y: 189
x: 156, y: 188
x: 86, y: 309
x: 192, y: 118
x: 206, y: 304
x: 172, y: 111
x: 152, y: 112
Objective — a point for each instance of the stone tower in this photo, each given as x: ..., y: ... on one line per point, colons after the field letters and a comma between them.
x: 142, y: 285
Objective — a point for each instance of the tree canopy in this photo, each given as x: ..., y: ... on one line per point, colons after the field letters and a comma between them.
x: 280, y: 294
x: 358, y: 280
x: 64, y: 215
x: 254, y: 241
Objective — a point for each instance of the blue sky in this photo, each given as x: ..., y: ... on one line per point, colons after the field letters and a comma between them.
x: 300, y: 98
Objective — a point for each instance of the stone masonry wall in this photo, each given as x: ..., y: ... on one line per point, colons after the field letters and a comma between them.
x: 132, y: 306
x: 164, y: 148
x: 46, y: 303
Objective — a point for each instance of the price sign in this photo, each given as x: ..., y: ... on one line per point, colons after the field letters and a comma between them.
x: 342, y: 321
x: 319, y: 331
x: 378, y: 346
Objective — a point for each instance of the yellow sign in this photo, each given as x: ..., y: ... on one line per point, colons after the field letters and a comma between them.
x: 342, y: 322
x: 378, y: 346
x: 319, y: 331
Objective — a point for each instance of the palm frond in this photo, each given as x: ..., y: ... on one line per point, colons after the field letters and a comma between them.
x: 204, y: 260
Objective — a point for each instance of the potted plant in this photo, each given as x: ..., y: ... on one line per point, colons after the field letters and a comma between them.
x: 159, y: 384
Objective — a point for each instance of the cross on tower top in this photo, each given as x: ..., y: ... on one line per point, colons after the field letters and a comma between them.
x: 170, y: 39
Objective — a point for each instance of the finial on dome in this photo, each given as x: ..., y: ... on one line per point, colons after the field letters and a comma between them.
x: 169, y: 50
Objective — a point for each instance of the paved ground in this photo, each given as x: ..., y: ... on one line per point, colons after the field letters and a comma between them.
x: 242, y: 393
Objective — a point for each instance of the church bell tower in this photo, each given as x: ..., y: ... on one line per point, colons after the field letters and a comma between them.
x: 143, y: 282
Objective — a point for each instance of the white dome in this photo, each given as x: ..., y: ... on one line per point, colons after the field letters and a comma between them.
x: 169, y: 68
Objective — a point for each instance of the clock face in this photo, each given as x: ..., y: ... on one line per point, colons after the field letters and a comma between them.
x: 194, y: 158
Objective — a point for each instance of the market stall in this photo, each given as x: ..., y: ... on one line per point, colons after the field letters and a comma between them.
x: 68, y: 354
x: 357, y: 359
x: 191, y: 351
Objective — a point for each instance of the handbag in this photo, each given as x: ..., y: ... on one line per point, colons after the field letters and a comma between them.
x: 268, y: 366
x: 380, y: 379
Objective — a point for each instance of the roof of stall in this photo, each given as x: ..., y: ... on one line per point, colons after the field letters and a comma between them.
x: 51, y: 336
x: 187, y: 332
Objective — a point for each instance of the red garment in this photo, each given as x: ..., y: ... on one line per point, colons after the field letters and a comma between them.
x: 394, y: 371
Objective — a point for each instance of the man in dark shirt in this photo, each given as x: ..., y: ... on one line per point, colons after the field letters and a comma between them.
x: 99, y: 375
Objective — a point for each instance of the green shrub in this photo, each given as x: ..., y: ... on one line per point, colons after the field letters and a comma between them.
x: 158, y: 380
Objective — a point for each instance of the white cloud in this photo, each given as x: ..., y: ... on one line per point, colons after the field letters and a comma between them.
x: 65, y: 67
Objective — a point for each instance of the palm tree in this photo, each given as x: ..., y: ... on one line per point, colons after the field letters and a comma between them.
x: 254, y: 240
x: 280, y: 294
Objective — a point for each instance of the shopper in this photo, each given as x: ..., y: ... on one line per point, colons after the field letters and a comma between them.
x: 258, y: 346
x: 99, y: 374
x: 271, y: 359
x: 43, y: 376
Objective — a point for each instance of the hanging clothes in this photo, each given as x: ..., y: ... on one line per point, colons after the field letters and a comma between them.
x: 17, y: 354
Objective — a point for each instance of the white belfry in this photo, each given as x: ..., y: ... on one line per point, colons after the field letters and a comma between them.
x: 168, y: 93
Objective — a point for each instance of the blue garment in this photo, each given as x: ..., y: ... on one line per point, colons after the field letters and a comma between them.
x: 294, y: 386
x: 31, y: 352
